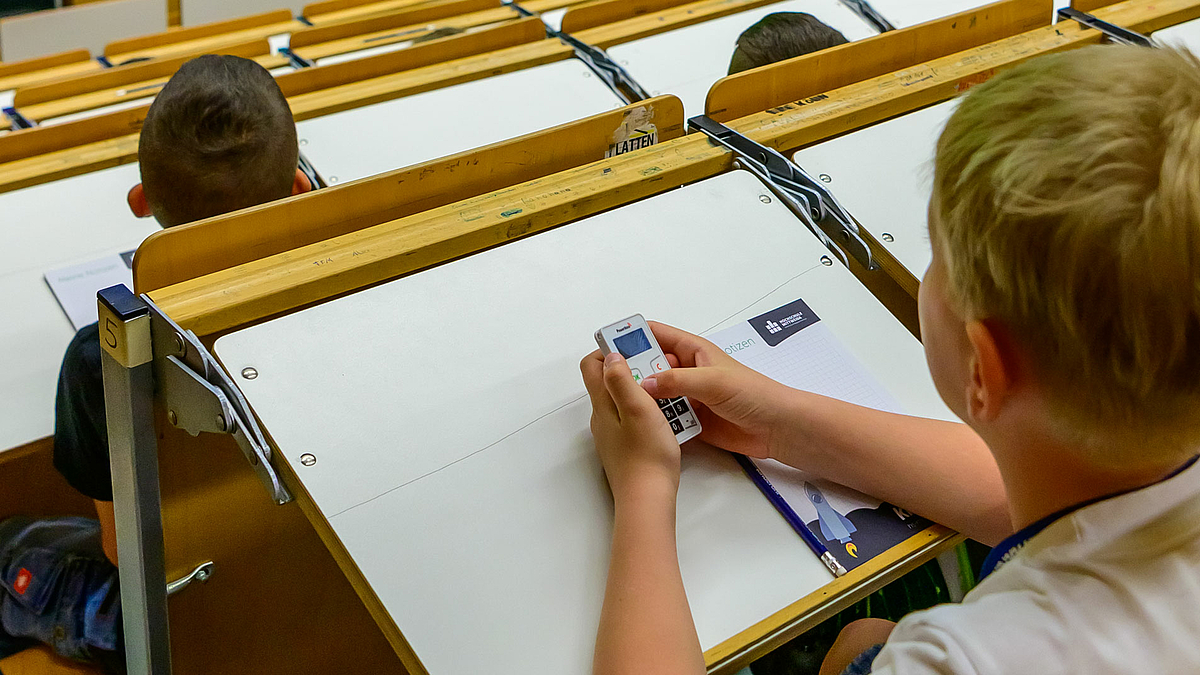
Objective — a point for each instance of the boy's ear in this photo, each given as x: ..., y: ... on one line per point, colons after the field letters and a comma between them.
x: 301, y: 183
x: 137, y: 202
x: 993, y: 370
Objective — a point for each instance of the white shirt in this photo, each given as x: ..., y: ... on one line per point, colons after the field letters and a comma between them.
x: 1111, y: 588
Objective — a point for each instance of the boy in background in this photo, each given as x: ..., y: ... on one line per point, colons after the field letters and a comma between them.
x: 1061, y: 321
x: 218, y: 138
x: 781, y: 36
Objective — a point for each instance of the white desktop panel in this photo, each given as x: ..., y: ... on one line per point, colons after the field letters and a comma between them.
x: 373, y: 139
x: 449, y: 424
x: 883, y: 176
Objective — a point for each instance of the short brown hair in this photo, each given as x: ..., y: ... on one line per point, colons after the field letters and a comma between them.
x: 1067, y: 207
x: 780, y: 36
x: 218, y: 138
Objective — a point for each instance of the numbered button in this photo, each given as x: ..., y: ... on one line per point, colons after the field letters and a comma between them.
x: 676, y: 426
x: 669, y: 412
x: 681, y: 406
x: 662, y: 402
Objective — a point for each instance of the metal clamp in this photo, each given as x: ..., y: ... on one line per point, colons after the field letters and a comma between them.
x: 200, y: 397
x: 295, y: 59
x: 16, y: 120
x: 610, y: 72
x: 1115, y: 33
x: 869, y: 14
x: 202, y: 574
x: 812, y: 203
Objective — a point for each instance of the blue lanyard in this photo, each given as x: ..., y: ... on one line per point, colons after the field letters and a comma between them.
x: 1012, y: 544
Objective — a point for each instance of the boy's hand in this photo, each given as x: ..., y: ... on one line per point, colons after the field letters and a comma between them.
x: 634, y: 440
x: 740, y: 410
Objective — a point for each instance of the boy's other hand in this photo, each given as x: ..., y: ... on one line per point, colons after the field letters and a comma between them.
x: 634, y: 440
x: 740, y: 410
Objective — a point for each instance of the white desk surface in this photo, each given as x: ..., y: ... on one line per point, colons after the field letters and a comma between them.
x: 450, y: 423
x: 883, y: 175
x: 688, y: 61
x: 365, y: 141
x: 1182, y: 35
x: 905, y: 13
x: 45, y: 227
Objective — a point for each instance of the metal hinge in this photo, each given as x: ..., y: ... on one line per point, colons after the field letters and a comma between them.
x: 869, y: 14
x: 200, y: 397
x: 16, y: 120
x: 812, y: 203
x: 610, y: 72
x: 1115, y: 33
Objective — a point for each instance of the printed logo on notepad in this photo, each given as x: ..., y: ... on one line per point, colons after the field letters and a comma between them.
x: 778, y: 325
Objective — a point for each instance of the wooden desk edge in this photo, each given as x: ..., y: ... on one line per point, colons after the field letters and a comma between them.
x: 810, y: 610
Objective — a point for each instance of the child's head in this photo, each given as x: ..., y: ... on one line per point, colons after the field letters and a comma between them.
x: 780, y: 36
x: 218, y: 138
x: 1065, y: 225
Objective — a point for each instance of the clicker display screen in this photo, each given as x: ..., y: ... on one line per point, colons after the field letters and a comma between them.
x: 632, y: 344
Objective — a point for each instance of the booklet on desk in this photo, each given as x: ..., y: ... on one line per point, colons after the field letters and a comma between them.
x: 790, y: 345
x: 75, y: 287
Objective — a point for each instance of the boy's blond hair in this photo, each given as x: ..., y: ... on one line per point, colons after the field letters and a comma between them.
x: 1067, y: 207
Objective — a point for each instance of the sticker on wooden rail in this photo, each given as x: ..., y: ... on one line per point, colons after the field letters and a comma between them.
x: 636, y: 131
x: 972, y: 80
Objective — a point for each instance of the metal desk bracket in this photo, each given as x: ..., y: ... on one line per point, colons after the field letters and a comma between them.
x: 869, y: 14
x: 1114, y: 33
x: 295, y: 60
x: 812, y: 203
x: 610, y: 72
x: 200, y: 397
x: 16, y: 120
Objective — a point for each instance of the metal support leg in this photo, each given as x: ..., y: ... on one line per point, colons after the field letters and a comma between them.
x: 133, y: 450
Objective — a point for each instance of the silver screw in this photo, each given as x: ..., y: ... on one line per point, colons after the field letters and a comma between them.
x: 203, y: 575
x: 764, y: 199
x: 303, y: 141
x: 887, y: 236
x: 587, y: 74
x: 221, y: 422
x: 308, y: 459
x: 178, y: 343
x: 249, y: 373
x: 825, y: 178
x: 172, y: 418
x: 333, y: 179
x: 826, y: 260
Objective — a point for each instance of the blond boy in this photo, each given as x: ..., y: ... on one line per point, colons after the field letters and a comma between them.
x: 1061, y: 320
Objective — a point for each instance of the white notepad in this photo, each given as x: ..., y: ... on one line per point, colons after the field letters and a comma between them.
x: 75, y: 287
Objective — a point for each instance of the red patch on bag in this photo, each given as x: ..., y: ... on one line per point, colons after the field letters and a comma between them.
x: 21, y: 584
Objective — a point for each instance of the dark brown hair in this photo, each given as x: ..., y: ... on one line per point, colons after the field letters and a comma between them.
x: 218, y: 138
x: 780, y: 36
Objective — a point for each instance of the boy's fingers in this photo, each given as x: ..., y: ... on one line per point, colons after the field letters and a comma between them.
x: 592, y: 368
x: 706, y: 385
x: 684, y: 345
x: 626, y: 393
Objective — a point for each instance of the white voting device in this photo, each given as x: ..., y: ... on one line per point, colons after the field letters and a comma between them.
x: 633, y: 339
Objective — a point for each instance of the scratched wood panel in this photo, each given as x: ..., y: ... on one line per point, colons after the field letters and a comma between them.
x: 416, y: 33
x: 46, y: 69
x: 196, y: 249
x: 122, y: 76
x: 600, y: 12
x: 280, y: 283
x: 179, y: 42
x: 441, y: 53
x: 809, y: 75
x: 421, y: 14
x: 133, y: 91
x: 340, y: 10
